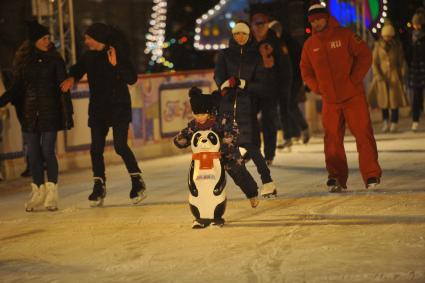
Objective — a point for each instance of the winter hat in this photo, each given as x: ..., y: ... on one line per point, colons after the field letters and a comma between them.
x: 36, y: 31
x: 99, y: 32
x: 276, y: 27
x: 419, y: 17
x: 387, y: 29
x: 241, y: 27
x: 202, y: 103
x: 317, y: 11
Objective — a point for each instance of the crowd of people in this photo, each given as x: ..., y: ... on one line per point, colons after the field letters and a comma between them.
x: 261, y: 77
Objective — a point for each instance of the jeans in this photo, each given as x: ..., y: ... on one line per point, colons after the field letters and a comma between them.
x: 120, y: 135
x: 386, y: 115
x: 41, y: 152
x: 417, y: 103
x: 259, y: 161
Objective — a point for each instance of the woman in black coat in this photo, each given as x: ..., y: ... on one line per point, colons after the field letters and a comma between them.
x: 38, y: 72
x: 416, y: 62
x: 235, y: 76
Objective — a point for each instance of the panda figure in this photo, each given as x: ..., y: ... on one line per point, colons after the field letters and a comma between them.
x: 206, y: 180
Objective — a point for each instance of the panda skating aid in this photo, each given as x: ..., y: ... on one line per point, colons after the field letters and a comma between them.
x: 206, y: 181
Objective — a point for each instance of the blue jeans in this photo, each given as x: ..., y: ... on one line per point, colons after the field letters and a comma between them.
x: 41, y: 151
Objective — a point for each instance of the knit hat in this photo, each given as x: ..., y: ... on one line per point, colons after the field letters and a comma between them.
x: 99, y: 32
x: 387, y: 29
x: 36, y: 31
x: 241, y: 27
x: 202, y: 103
x: 419, y: 17
x: 317, y: 11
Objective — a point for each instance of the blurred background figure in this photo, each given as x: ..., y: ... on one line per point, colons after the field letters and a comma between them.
x: 293, y: 122
x: 389, y: 68
x: 416, y: 60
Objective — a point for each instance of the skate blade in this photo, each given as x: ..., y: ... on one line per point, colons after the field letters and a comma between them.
x: 51, y: 208
x: 372, y: 186
x: 270, y: 195
x: 138, y: 199
x: 96, y: 203
x: 336, y: 189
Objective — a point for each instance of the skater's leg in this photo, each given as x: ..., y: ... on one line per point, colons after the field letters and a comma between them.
x: 268, y: 120
x: 334, y: 127
x: 259, y: 162
x: 121, y: 147
x: 48, y: 142
x: 97, y: 147
x: 358, y: 120
x: 35, y: 157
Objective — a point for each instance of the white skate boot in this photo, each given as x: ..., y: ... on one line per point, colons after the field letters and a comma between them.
x: 38, y: 194
x: 268, y: 190
x: 51, y: 202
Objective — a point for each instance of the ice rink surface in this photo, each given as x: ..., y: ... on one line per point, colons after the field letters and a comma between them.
x: 304, y: 235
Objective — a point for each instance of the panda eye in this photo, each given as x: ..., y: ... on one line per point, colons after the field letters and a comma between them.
x: 212, y: 138
x: 196, y: 139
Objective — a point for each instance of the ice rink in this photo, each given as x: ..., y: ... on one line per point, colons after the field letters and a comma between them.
x: 304, y: 235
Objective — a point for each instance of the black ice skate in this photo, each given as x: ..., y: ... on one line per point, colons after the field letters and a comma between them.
x: 99, y: 192
x: 334, y: 186
x: 372, y: 182
x: 138, y: 188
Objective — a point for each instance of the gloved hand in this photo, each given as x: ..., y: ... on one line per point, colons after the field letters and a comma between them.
x: 232, y: 82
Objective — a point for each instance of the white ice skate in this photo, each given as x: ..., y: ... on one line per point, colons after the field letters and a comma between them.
x: 51, y: 202
x: 268, y: 190
x: 38, y: 195
x: 334, y: 186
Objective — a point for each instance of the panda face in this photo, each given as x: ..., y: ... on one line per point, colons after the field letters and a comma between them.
x: 205, y: 141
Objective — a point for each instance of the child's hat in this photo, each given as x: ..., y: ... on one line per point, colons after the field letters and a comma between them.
x: 202, y: 103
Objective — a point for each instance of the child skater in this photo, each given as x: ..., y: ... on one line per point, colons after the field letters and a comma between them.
x: 204, y: 108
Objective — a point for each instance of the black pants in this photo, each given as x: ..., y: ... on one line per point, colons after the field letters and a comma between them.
x: 241, y: 177
x: 417, y: 103
x: 254, y: 152
x: 386, y: 115
x: 292, y: 119
x: 268, y: 124
x: 98, y: 137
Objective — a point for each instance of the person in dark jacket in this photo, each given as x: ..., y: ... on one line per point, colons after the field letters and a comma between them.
x: 109, y: 72
x: 274, y: 75
x: 294, y: 124
x: 235, y: 76
x: 38, y: 72
x: 416, y: 62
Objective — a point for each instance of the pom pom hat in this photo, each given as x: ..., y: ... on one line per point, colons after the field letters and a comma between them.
x: 241, y: 27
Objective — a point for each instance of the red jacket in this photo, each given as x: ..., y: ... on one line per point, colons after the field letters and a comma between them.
x: 334, y: 62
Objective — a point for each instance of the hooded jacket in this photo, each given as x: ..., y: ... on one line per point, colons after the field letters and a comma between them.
x: 334, y: 62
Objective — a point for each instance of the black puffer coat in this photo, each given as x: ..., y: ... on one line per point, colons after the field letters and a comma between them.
x: 36, y: 91
x: 416, y: 61
x: 240, y: 62
x: 110, y: 102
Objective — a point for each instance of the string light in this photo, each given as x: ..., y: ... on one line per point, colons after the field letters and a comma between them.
x: 205, y: 17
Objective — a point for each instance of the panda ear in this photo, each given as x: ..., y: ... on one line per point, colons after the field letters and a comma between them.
x: 195, y: 91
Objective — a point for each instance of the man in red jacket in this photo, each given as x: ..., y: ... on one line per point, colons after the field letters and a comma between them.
x: 333, y: 63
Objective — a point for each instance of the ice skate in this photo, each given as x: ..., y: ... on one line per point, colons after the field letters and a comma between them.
x: 254, y: 202
x: 287, y: 144
x: 217, y: 223
x: 372, y: 182
x: 51, y: 201
x: 199, y: 224
x: 99, y: 192
x: 138, y: 188
x: 268, y: 190
x: 38, y: 195
x: 334, y: 186
x: 415, y: 126
x: 385, y: 127
x: 393, y: 128
x: 306, y: 136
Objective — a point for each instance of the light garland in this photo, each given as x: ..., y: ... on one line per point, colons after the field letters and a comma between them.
x: 208, y: 15
x: 379, y: 24
x: 156, y: 36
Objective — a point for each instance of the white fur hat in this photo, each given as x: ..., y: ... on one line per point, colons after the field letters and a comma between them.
x: 241, y: 27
